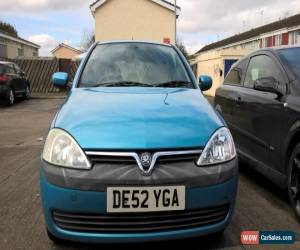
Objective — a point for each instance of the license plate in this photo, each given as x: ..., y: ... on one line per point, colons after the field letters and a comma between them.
x: 145, y: 199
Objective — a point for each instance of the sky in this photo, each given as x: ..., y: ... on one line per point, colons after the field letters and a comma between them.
x: 49, y: 22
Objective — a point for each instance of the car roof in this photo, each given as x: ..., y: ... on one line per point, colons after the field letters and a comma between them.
x: 275, y: 49
x: 5, y: 62
x: 135, y: 41
x: 285, y: 47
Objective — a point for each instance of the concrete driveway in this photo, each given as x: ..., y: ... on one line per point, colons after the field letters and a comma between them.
x: 23, y: 128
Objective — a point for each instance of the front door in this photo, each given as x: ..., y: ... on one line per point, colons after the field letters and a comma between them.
x: 226, y: 98
x: 259, y: 114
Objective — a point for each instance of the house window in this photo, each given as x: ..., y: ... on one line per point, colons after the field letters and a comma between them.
x: 277, y: 40
x: 21, y: 51
x: 34, y: 54
x: 264, y: 43
x: 3, y: 50
x: 294, y: 37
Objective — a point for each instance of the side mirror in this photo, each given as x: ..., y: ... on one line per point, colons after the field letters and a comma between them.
x: 268, y: 84
x: 60, y: 79
x: 205, y: 82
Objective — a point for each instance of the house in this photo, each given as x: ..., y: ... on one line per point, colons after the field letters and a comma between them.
x: 64, y: 51
x: 217, y: 58
x: 152, y: 20
x: 15, y: 47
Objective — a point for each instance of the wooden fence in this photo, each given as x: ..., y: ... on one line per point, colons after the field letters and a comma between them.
x: 40, y: 71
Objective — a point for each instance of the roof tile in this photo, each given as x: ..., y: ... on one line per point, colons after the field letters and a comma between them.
x: 284, y: 23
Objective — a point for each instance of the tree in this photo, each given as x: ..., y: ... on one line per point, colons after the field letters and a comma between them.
x: 180, y: 45
x: 8, y: 29
x: 87, y: 39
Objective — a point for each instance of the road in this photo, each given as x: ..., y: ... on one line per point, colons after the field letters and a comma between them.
x: 23, y: 128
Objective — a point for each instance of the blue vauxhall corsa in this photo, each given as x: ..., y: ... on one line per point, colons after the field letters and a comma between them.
x: 136, y: 153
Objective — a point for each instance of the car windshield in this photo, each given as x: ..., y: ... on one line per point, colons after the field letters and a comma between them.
x: 292, y: 57
x: 135, y: 64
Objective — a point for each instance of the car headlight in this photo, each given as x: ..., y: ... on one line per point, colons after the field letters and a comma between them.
x: 62, y: 150
x: 220, y: 148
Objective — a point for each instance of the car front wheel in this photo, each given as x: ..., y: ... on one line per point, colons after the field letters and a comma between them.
x: 26, y: 95
x: 294, y: 180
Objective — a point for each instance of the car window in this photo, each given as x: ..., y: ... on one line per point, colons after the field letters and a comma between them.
x: 17, y: 68
x: 292, y: 57
x: 234, y: 77
x: 260, y: 67
x: 2, y: 69
x: 148, y: 64
x: 10, y: 69
x: 236, y: 73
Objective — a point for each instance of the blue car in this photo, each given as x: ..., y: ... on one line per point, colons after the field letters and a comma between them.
x: 136, y: 153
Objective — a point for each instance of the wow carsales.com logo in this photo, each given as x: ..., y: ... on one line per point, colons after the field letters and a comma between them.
x: 267, y: 237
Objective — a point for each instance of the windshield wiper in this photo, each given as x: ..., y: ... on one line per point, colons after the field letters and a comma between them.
x: 174, y: 84
x: 170, y: 84
x: 122, y: 84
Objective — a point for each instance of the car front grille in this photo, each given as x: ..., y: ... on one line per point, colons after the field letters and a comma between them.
x: 122, y: 158
x: 140, y: 222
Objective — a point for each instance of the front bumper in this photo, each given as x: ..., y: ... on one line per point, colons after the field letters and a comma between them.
x: 56, y: 198
x: 103, y: 175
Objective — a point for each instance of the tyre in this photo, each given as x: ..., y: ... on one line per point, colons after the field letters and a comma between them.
x: 26, y: 95
x: 294, y: 180
x: 53, y: 238
x: 10, y: 100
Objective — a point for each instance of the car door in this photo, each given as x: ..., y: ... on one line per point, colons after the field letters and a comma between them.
x: 21, y: 81
x: 21, y: 78
x: 227, y: 95
x: 14, y: 80
x: 257, y: 115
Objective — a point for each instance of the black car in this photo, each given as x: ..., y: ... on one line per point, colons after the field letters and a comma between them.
x: 260, y: 101
x: 13, y: 83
